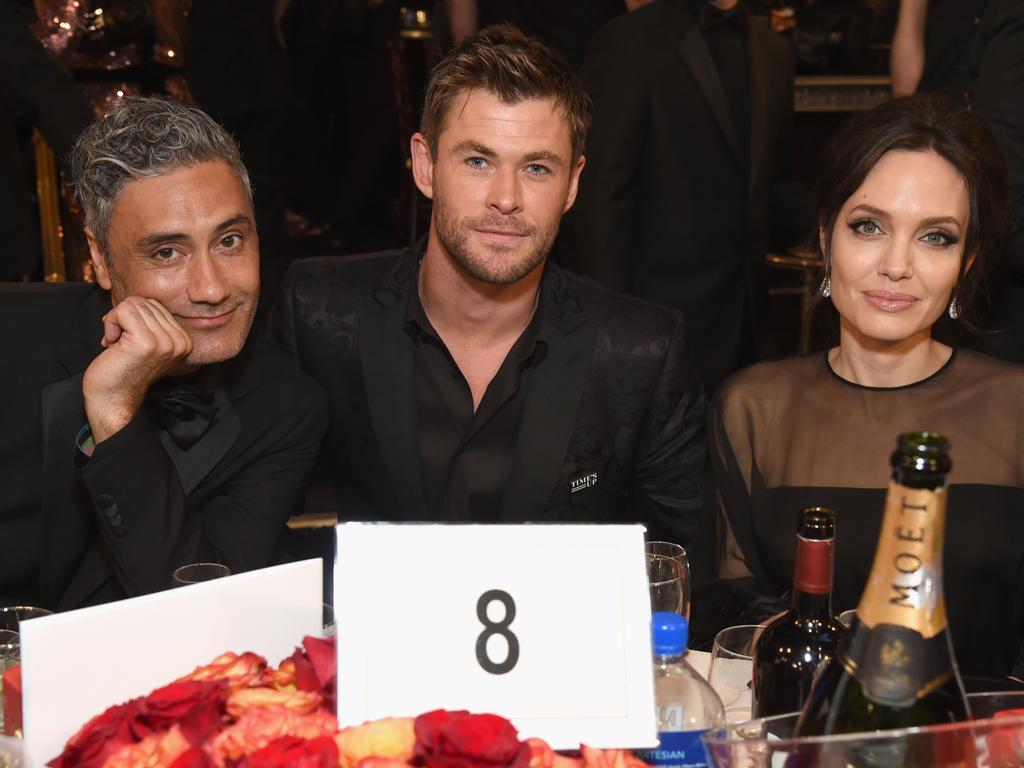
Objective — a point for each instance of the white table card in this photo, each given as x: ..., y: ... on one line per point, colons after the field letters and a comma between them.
x: 78, y: 663
x: 548, y: 625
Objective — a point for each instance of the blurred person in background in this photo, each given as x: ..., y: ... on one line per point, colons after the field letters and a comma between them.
x: 693, y: 108
x: 973, y: 52
x: 34, y: 91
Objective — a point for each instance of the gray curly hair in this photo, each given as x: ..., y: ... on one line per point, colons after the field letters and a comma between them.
x: 143, y: 137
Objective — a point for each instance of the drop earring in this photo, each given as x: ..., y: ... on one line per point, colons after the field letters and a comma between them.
x: 825, y: 289
x: 954, y: 309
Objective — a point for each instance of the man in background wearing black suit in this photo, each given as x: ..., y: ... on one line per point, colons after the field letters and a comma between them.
x: 34, y: 91
x: 470, y: 380
x: 143, y: 430
x: 693, y: 104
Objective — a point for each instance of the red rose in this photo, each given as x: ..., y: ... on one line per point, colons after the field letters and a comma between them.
x: 305, y: 673
x: 461, y: 740
x: 100, y: 737
x: 324, y: 658
x: 293, y: 752
x: 196, y: 706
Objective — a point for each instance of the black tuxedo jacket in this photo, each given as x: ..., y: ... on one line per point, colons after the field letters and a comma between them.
x: 612, y: 427
x: 667, y: 208
x: 141, y: 506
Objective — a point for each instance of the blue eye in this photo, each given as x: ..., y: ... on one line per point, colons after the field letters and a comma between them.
x: 536, y: 169
x: 476, y: 162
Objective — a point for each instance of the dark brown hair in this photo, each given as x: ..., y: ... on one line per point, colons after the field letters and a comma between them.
x: 918, y: 124
x: 502, y: 60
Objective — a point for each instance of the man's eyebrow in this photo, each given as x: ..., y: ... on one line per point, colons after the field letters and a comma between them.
x: 477, y: 148
x: 544, y: 156
x: 169, y: 237
x: 234, y: 221
x: 472, y: 146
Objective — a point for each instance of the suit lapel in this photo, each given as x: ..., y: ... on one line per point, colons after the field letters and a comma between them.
x: 389, y: 376
x: 698, y: 58
x: 552, y: 401
x: 759, y: 96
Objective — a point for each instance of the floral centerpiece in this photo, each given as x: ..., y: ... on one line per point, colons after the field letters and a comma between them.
x: 238, y: 712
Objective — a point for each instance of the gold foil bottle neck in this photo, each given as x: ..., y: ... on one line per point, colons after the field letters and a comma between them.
x: 905, y: 585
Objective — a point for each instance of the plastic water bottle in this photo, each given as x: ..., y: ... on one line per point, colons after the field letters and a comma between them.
x: 687, y: 705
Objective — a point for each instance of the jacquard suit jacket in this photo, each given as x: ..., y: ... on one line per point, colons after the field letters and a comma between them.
x: 73, y: 535
x: 612, y: 427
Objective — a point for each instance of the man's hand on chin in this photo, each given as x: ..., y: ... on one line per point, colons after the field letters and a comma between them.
x: 142, y: 343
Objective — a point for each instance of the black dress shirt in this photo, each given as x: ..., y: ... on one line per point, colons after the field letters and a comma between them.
x: 466, y: 456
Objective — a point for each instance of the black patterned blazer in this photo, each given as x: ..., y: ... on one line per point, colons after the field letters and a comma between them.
x: 612, y: 427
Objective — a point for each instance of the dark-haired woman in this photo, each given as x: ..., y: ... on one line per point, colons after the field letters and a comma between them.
x: 913, y: 201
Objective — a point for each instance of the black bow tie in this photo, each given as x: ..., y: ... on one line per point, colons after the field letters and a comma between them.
x: 186, y: 411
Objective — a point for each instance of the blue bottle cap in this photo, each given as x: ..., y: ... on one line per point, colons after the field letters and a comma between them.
x: 669, y: 633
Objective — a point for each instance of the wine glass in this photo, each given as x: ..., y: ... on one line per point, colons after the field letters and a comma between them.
x: 732, y: 664
x: 665, y: 575
x: 846, y: 617
x: 676, y: 552
x: 197, y: 572
x: 12, y: 615
x: 328, y: 621
x: 10, y: 648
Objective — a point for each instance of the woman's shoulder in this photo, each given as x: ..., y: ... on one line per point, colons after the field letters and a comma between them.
x: 976, y: 365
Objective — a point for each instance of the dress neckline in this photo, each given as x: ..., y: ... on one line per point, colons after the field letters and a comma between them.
x: 942, y: 369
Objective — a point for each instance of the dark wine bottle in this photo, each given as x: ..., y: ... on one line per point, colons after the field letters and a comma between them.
x: 895, y: 668
x: 795, y: 643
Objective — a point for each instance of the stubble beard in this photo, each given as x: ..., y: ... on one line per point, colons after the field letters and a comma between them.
x: 454, y: 235
x: 228, y: 343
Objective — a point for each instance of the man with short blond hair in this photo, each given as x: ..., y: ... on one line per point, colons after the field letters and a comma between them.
x: 469, y: 379
x: 146, y: 429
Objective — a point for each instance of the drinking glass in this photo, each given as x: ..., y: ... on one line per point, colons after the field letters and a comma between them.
x: 328, y: 621
x: 677, y: 553
x: 665, y: 576
x: 197, y: 572
x: 846, y: 617
x: 732, y: 664
x: 995, y: 738
x: 12, y: 615
x: 10, y: 647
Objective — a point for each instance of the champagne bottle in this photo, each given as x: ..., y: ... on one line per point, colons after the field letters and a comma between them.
x: 795, y: 643
x: 895, y: 667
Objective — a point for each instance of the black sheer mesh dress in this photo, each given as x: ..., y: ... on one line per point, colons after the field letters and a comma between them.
x: 791, y: 434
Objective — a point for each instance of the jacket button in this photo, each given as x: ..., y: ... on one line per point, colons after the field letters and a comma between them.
x: 105, y: 501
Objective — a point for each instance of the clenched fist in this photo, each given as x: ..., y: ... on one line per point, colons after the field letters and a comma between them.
x: 142, y: 343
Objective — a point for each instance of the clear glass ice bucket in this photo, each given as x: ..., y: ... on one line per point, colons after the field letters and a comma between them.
x: 994, y: 739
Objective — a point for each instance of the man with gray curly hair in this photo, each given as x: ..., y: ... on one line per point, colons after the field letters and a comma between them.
x: 168, y: 435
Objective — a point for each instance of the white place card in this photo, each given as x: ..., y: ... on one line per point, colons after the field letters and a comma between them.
x: 548, y: 625
x: 76, y: 664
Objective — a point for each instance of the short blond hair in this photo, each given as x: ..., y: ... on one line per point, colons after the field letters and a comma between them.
x: 503, y: 61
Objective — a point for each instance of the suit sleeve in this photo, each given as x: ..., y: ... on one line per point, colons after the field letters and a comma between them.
x: 999, y: 98
x: 149, y: 526
x: 671, y: 457
x: 601, y: 225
